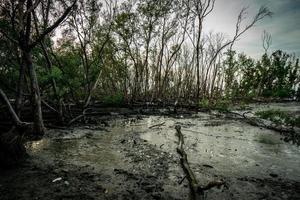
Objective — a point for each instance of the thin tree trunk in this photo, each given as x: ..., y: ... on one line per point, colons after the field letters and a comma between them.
x: 13, y: 114
x: 53, y: 82
x: 39, y: 127
x: 198, y: 57
x: 20, y: 88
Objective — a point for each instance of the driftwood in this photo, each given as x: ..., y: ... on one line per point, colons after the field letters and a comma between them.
x: 197, y: 191
x: 257, y: 122
x: 290, y: 133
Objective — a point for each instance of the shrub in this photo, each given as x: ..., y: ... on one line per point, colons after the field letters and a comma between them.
x: 221, y: 105
x: 204, y: 103
x: 279, y: 117
x: 114, y: 100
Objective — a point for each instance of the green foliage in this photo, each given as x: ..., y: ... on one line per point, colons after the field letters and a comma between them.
x: 55, y: 73
x: 114, y: 100
x: 298, y: 95
x: 136, y: 48
x: 279, y: 117
x: 296, y: 122
x: 242, y: 105
x: 220, y: 104
x: 266, y: 139
x: 276, y: 75
x: 204, y: 103
x: 283, y: 92
x: 276, y: 116
x: 231, y: 67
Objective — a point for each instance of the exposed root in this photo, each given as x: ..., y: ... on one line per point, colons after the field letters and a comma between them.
x: 12, y: 149
x: 75, y: 119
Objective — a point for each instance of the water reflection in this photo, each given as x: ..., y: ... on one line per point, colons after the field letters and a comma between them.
x: 232, y: 148
x: 96, y: 150
x: 37, y: 146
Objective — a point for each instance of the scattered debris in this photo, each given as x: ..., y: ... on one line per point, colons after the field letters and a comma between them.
x: 180, y: 182
x: 273, y: 175
x: 57, y: 179
x: 208, y: 166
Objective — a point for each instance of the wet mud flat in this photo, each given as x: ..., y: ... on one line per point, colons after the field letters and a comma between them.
x: 136, y: 158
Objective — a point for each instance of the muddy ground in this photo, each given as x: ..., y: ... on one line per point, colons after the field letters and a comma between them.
x: 135, y: 158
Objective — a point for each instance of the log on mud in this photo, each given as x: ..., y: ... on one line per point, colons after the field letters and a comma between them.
x: 157, y: 125
x: 289, y: 133
x: 197, y: 191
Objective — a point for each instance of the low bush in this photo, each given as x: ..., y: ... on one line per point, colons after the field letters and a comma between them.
x: 279, y: 117
x: 114, y: 100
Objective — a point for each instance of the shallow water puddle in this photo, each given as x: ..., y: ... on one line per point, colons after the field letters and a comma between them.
x: 231, y: 148
x: 82, y: 147
x: 137, y: 157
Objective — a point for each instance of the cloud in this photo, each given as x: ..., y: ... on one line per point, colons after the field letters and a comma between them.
x: 284, y: 26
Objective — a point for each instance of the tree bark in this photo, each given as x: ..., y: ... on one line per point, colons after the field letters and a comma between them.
x: 20, y: 88
x: 39, y: 127
x: 13, y: 114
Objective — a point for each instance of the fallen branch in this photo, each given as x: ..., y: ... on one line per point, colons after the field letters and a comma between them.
x: 180, y: 182
x: 57, y: 127
x: 197, y: 191
x: 259, y: 123
x: 75, y: 119
x: 156, y: 125
x: 48, y: 106
x: 79, y: 117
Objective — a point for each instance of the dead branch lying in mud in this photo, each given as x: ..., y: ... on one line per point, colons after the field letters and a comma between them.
x: 257, y: 122
x: 157, y: 125
x: 79, y: 116
x: 197, y: 191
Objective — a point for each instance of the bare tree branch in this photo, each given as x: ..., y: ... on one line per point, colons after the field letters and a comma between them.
x: 53, y: 26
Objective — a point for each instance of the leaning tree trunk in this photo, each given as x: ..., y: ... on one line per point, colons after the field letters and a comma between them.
x: 38, y: 123
x: 53, y: 82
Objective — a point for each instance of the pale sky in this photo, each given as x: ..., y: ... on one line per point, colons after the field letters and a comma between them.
x: 284, y: 26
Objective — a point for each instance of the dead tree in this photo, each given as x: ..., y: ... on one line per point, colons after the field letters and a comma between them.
x: 200, y: 9
x: 266, y: 41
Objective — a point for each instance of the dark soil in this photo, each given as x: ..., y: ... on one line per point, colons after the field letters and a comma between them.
x: 144, y: 171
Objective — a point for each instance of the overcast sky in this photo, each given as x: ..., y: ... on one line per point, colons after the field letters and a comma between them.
x: 284, y: 26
